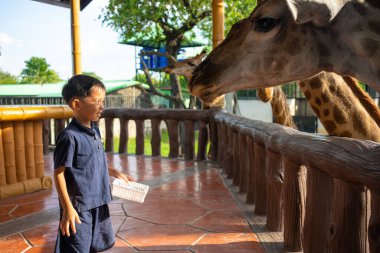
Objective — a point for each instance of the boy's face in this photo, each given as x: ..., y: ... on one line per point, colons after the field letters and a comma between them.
x: 90, y: 108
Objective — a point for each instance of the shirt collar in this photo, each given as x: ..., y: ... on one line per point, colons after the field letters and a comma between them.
x: 90, y: 131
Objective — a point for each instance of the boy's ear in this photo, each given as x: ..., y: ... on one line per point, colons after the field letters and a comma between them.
x: 74, y: 104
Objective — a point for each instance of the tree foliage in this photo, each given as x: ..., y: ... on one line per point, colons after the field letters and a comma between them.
x: 7, y: 78
x: 37, y: 70
x: 167, y: 20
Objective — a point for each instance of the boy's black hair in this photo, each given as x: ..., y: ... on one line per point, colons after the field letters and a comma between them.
x: 80, y: 85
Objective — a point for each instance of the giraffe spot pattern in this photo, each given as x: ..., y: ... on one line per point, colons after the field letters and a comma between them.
x: 316, y: 110
x: 326, y: 112
x: 329, y: 125
x: 307, y: 95
x: 325, y: 98
x: 318, y: 101
x: 370, y: 46
x: 332, y: 88
x: 340, y: 116
x: 315, y: 83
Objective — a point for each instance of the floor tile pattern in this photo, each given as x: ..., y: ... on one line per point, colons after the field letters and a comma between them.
x: 187, y: 210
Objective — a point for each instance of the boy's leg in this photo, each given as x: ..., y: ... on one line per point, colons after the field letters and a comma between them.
x: 103, y: 236
x: 79, y: 242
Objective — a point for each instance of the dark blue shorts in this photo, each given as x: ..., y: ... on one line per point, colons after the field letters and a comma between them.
x: 94, y: 234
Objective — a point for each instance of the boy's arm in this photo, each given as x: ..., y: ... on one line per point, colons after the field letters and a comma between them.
x: 69, y: 216
x: 115, y: 173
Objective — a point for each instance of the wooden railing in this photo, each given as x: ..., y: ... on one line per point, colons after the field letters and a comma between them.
x: 21, y: 148
x: 322, y: 192
x: 191, y: 120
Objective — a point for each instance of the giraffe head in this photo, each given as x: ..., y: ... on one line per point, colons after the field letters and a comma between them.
x: 287, y: 40
x: 185, y: 68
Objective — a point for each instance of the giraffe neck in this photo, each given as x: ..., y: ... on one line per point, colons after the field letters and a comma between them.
x: 280, y: 108
x: 341, y: 107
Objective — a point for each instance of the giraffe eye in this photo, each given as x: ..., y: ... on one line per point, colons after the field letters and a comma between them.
x: 265, y: 24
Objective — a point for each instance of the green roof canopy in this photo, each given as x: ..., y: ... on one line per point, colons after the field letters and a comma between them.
x: 54, y: 89
x: 157, y: 45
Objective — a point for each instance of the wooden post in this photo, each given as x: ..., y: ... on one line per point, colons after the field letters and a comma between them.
x: 29, y: 150
x: 348, y: 229
x: 274, y: 191
x: 109, y: 134
x: 75, y: 36
x: 374, y: 224
x: 139, y: 137
x: 229, y: 147
x: 251, y: 171
x: 156, y: 137
x: 318, y: 211
x: 294, y: 204
x: 260, y: 180
x: 173, y: 138
x: 9, y: 152
x: 189, y: 140
x: 243, y: 157
x: 202, y: 142
x: 235, y: 158
x: 123, y: 144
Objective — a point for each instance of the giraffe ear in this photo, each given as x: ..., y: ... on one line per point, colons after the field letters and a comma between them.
x: 319, y: 12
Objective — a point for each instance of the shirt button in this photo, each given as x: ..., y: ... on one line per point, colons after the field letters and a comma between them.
x: 99, y: 146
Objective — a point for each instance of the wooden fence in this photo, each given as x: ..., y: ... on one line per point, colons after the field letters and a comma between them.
x: 321, y: 192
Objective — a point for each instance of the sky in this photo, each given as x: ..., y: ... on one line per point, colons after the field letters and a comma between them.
x: 30, y: 28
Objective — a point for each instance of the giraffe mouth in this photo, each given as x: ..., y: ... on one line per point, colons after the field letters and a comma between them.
x: 206, y: 93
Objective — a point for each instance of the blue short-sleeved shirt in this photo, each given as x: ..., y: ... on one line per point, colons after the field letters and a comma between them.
x: 79, y: 149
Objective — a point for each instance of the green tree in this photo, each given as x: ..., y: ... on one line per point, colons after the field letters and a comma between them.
x: 168, y: 21
x: 37, y: 70
x: 93, y: 74
x: 7, y: 78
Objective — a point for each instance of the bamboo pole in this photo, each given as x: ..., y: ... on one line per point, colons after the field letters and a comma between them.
x: 29, y: 150
x: 3, y: 179
x: 20, y: 151
x: 9, y: 152
x: 38, y: 148
x: 75, y: 36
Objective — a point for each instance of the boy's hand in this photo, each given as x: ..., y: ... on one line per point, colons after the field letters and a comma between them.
x: 126, y: 178
x: 117, y: 174
x: 68, y: 220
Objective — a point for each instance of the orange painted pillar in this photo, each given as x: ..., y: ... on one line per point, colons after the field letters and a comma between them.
x: 75, y: 36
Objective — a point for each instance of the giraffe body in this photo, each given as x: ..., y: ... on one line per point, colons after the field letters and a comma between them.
x: 287, y: 40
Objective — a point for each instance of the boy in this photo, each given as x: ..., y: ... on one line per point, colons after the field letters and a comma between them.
x: 80, y: 172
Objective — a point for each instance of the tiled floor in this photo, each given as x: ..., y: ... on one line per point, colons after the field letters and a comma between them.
x: 188, y: 209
